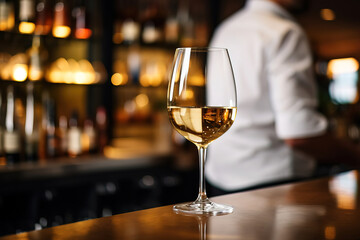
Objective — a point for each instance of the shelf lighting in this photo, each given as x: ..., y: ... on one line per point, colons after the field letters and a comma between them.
x: 26, y: 27
x: 73, y: 72
x: 20, y: 72
x: 61, y: 31
x: 152, y: 74
x: 16, y: 68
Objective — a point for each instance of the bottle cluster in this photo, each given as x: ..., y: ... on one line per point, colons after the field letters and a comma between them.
x: 61, y: 18
x: 160, y: 22
x: 30, y: 130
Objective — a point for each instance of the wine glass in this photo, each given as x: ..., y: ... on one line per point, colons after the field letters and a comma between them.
x: 201, y: 103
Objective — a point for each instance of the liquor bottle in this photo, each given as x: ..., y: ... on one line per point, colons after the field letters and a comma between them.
x: 89, y: 137
x: 80, y: 14
x: 12, y: 134
x: 47, y: 142
x: 153, y: 19
x: 31, y: 129
x: 74, y: 136
x: 50, y: 129
x: 2, y: 158
x: 172, y: 26
x: 62, y: 135
x: 37, y: 57
x: 61, y: 27
x: 44, y: 19
x: 101, y: 127
x: 7, y: 16
x: 130, y: 26
x: 186, y: 24
x: 27, y: 16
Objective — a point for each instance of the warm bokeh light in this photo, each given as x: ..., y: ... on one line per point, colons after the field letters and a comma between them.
x: 189, y: 94
x: 57, y: 71
x: 85, y: 142
x: 342, y: 65
x: 152, y: 74
x: 197, y: 80
x: 117, y: 37
x: 26, y: 27
x: 330, y: 232
x: 15, y: 68
x: 83, y: 33
x: 20, y: 72
x: 85, y: 73
x: 74, y: 72
x: 61, y: 31
x: 130, y: 30
x: 142, y: 100
x: 74, y: 67
x: 35, y: 73
x: 343, y: 88
x: 327, y: 14
x: 118, y: 79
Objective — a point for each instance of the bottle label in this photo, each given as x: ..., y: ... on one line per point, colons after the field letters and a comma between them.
x: 11, y: 142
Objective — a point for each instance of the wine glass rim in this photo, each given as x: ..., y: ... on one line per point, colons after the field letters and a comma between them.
x: 202, y: 49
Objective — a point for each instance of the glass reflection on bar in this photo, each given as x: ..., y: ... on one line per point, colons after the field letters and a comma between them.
x: 344, y: 187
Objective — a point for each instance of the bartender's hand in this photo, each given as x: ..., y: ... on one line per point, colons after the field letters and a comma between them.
x: 328, y: 149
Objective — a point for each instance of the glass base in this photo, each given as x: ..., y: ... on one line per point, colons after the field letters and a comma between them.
x: 203, y: 208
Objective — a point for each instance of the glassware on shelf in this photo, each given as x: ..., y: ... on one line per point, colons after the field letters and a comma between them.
x: 12, y: 136
x: 201, y: 102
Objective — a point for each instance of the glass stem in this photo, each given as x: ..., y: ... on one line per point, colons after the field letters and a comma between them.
x: 202, y: 197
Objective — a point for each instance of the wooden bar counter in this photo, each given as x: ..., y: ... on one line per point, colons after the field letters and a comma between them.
x: 326, y: 208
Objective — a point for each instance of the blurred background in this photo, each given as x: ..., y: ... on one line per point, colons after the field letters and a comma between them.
x: 84, y: 130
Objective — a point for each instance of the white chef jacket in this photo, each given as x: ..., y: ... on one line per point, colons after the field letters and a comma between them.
x: 276, y: 99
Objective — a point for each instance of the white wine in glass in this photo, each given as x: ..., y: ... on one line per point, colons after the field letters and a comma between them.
x: 201, y: 103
